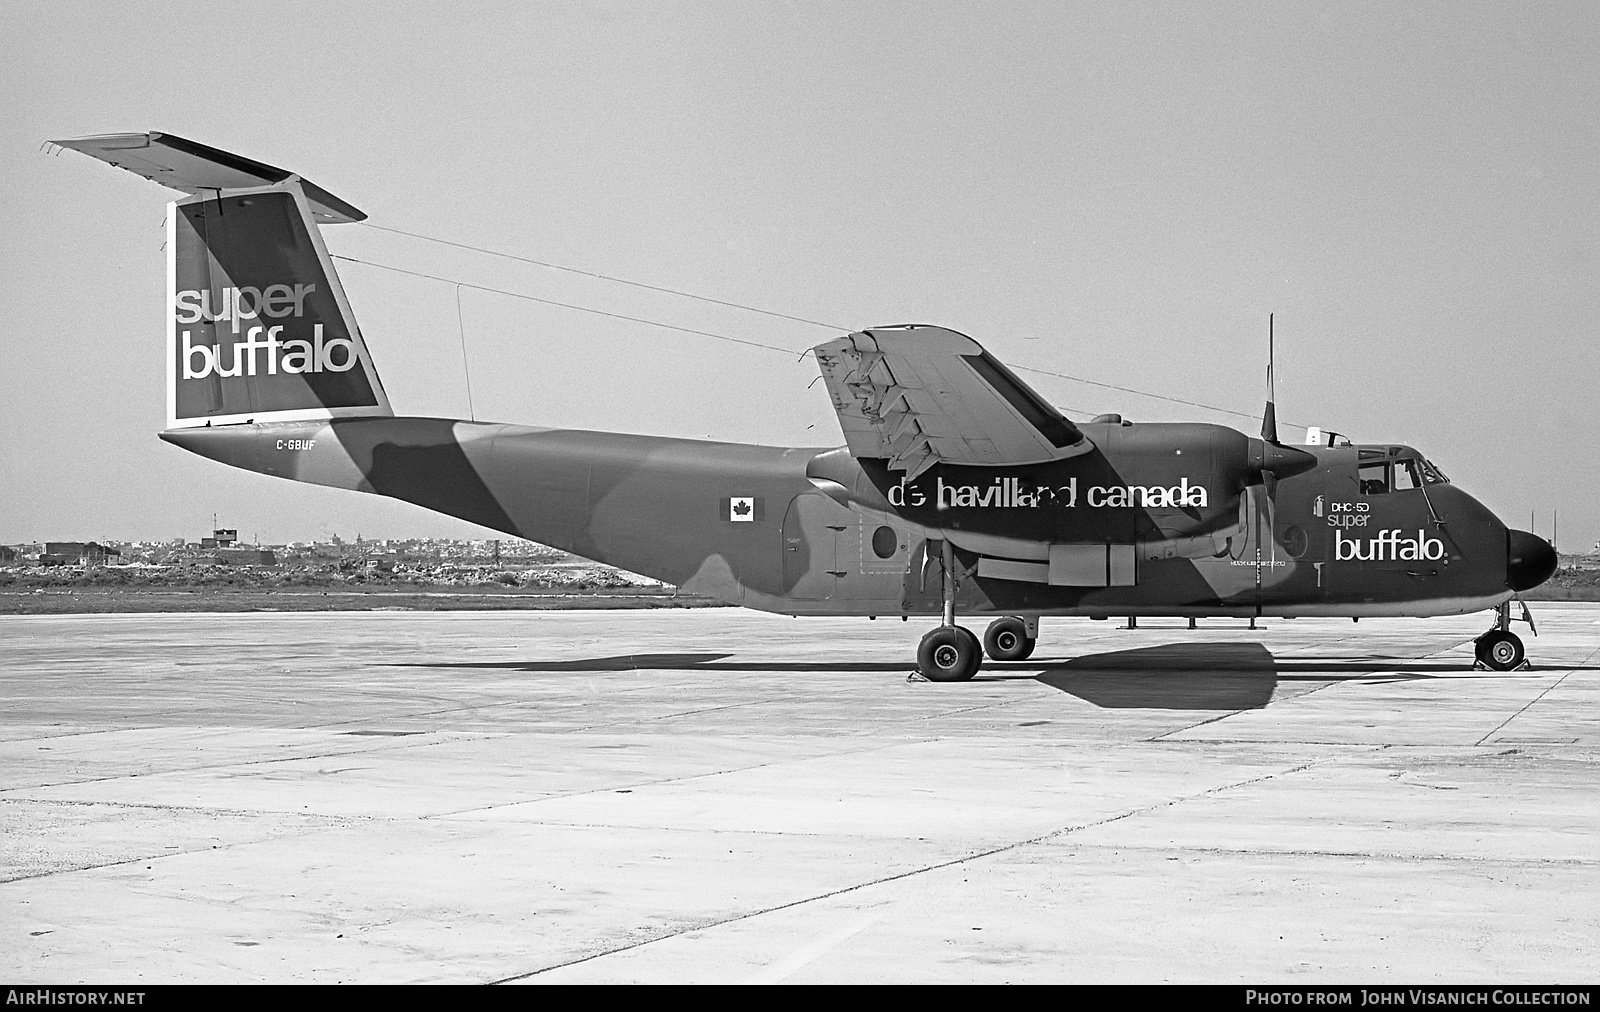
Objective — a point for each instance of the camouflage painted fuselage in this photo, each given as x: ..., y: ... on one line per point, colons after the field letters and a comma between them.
x: 810, y: 530
x: 958, y: 483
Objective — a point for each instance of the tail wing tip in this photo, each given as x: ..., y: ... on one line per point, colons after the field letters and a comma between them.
x: 191, y: 167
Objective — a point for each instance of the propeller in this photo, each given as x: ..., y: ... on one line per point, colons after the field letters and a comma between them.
x: 1273, y: 460
x: 1277, y: 460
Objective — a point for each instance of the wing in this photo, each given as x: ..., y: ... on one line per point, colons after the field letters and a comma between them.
x: 920, y: 395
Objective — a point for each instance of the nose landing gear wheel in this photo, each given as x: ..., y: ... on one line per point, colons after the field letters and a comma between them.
x: 1500, y: 650
x: 1006, y: 639
x: 949, y: 654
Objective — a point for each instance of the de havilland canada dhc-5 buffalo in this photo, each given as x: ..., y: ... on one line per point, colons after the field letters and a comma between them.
x: 959, y: 490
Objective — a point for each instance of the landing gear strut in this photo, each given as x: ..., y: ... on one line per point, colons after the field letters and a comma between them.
x: 949, y: 653
x: 1500, y: 648
x: 1011, y: 638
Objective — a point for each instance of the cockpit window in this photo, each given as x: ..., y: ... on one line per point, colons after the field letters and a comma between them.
x: 1406, y: 475
x: 1385, y: 469
x: 1374, y: 479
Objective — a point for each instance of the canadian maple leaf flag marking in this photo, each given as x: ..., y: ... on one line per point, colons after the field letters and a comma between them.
x: 742, y: 508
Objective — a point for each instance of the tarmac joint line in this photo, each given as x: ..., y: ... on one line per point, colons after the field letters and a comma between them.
x: 912, y: 872
x: 1548, y: 689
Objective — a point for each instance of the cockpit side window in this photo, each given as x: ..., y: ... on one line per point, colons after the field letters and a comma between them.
x: 1374, y: 478
x: 1406, y: 475
x: 1432, y: 475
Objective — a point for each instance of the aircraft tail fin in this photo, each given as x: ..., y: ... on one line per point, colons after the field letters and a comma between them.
x: 258, y: 325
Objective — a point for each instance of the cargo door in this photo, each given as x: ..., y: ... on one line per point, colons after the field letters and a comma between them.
x: 814, y: 528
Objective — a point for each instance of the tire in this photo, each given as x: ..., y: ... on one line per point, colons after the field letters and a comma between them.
x: 949, y: 654
x: 974, y: 644
x: 1006, y: 639
x: 1500, y: 650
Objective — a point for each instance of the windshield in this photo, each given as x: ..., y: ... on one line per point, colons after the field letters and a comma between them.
x: 1397, y: 470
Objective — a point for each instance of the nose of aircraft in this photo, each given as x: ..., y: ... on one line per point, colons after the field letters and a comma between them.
x: 1529, y: 560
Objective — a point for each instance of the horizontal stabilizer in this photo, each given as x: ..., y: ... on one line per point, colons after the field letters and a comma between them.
x: 195, y: 168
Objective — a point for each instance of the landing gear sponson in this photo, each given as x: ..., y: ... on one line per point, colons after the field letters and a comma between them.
x: 951, y: 653
x: 1500, y: 648
x: 1011, y: 638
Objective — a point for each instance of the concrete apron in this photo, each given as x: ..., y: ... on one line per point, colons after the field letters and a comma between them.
x: 727, y: 796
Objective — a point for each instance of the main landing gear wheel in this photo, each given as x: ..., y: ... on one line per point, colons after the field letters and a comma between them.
x: 1006, y: 639
x: 1500, y: 650
x: 949, y: 654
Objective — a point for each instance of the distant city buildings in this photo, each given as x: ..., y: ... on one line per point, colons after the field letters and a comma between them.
x: 77, y: 553
x: 222, y: 548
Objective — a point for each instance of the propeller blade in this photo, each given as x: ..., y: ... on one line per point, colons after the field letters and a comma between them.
x: 1269, y: 418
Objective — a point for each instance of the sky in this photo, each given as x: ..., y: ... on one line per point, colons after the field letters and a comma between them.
x: 1117, y: 193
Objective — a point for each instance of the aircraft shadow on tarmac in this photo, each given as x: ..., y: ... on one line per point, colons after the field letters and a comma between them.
x: 1210, y: 676
x: 1178, y: 676
x: 668, y: 662
x: 1214, y: 676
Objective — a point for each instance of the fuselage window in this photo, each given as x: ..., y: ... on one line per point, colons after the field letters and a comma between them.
x: 1374, y: 479
x: 1296, y: 541
x: 885, y: 542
